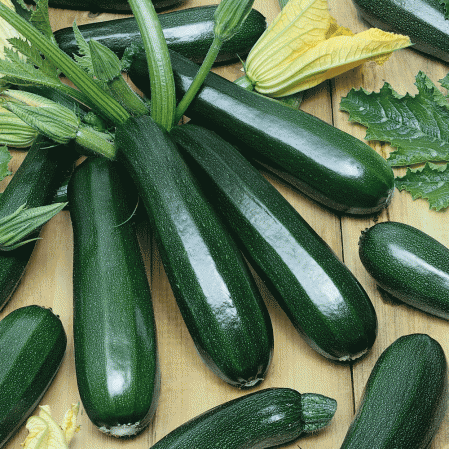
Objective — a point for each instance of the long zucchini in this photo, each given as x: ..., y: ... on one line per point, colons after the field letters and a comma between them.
x: 32, y: 346
x: 405, y: 397
x: 35, y: 183
x: 331, y: 166
x: 216, y: 294
x: 263, y: 419
x: 188, y: 31
x: 321, y: 297
x: 408, y: 264
x: 106, y: 5
x: 424, y: 21
x: 114, y: 331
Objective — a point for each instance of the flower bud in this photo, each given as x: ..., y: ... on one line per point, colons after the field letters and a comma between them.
x: 229, y: 16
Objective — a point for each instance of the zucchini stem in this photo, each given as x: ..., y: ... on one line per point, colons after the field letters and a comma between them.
x: 163, y: 94
x: 199, y: 78
x: 103, y: 102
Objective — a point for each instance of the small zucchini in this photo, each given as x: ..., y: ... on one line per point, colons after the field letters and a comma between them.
x: 188, y: 31
x: 266, y: 418
x: 114, y: 331
x: 321, y: 297
x: 34, y: 183
x: 332, y: 167
x: 216, y: 294
x: 424, y: 21
x: 408, y: 264
x: 105, y: 5
x: 405, y: 397
x: 32, y: 346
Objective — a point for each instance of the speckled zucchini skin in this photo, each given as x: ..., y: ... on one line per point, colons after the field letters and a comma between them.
x: 114, y: 331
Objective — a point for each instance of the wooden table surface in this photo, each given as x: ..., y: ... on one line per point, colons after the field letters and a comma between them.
x: 188, y: 387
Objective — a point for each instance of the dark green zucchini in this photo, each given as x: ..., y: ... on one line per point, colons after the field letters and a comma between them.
x: 32, y: 346
x: 188, y: 31
x: 331, y: 166
x: 215, y: 292
x: 422, y: 20
x: 405, y: 397
x: 114, y: 332
x: 106, y: 5
x: 321, y: 297
x: 263, y: 419
x: 35, y: 183
x: 408, y: 264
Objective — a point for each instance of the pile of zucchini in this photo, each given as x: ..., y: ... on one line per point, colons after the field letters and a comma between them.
x: 211, y: 210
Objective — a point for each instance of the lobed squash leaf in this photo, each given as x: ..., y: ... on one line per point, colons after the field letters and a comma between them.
x: 416, y: 125
x: 430, y: 182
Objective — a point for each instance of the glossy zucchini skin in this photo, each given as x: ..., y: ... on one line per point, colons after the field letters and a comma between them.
x: 405, y: 397
x: 34, y: 183
x: 106, y: 5
x: 422, y: 20
x: 189, y: 31
x: 32, y: 345
x: 215, y: 292
x: 319, y: 294
x: 116, y: 358
x: 266, y: 418
x: 329, y: 165
x: 408, y: 264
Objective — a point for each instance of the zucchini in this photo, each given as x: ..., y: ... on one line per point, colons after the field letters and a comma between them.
x: 321, y: 297
x: 331, y: 166
x: 266, y: 418
x: 106, y: 5
x: 187, y: 31
x: 114, y: 332
x: 216, y: 294
x: 405, y: 397
x: 408, y: 264
x: 35, y: 183
x: 424, y: 21
x: 32, y: 346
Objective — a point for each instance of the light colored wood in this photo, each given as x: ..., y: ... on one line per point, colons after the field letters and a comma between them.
x: 188, y: 387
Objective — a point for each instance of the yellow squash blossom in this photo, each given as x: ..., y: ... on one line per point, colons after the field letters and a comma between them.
x: 45, y: 433
x: 304, y: 46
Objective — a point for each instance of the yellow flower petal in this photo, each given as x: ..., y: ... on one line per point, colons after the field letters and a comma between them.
x: 38, y: 433
x: 68, y: 425
x: 300, y: 26
x: 329, y: 59
x: 56, y: 437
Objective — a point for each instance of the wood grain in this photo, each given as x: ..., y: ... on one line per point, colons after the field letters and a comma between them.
x: 188, y: 387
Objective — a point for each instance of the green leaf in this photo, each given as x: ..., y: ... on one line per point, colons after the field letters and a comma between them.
x: 430, y: 182
x: 84, y: 59
x: 5, y: 157
x: 445, y: 3
x: 41, y: 20
x: 445, y: 81
x: 416, y: 125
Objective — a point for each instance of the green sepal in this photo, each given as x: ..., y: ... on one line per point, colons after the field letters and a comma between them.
x: 21, y: 223
x: 5, y: 157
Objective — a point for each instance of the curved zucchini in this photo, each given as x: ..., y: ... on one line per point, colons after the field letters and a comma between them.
x: 408, y: 264
x: 114, y: 332
x: 405, y: 397
x: 215, y: 292
x: 188, y: 31
x: 35, y: 183
x: 32, y: 346
x: 423, y: 21
x: 331, y: 166
x: 321, y: 297
x: 263, y: 419
x: 106, y: 5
